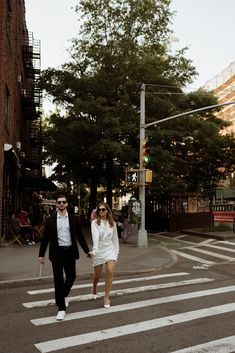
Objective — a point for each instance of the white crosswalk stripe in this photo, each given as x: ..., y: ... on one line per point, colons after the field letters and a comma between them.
x: 223, y: 345
x: 220, y: 248
x: 118, y: 331
x: 225, y: 242
x: 210, y: 253
x: 188, y: 294
x: 129, y: 280
x: 135, y: 305
x: 121, y: 292
x: 208, y: 257
x: 193, y: 258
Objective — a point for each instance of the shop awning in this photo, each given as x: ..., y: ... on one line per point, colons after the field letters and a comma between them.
x: 37, y: 183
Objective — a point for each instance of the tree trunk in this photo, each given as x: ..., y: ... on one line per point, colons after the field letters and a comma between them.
x: 93, y: 193
x: 109, y: 182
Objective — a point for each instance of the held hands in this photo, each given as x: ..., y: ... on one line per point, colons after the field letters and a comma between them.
x: 41, y: 260
x: 89, y: 254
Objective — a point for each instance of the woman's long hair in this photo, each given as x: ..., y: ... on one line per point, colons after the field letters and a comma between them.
x: 109, y: 214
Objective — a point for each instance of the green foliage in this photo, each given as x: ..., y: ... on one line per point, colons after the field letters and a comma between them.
x: 95, y: 133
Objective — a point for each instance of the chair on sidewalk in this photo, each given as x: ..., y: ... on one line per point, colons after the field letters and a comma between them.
x: 16, y: 237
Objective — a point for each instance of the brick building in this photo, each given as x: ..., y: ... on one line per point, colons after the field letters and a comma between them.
x: 20, y: 112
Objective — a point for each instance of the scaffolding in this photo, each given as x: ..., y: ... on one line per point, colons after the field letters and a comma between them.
x: 221, y: 78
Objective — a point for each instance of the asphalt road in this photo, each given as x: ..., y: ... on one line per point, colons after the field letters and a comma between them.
x: 171, y: 311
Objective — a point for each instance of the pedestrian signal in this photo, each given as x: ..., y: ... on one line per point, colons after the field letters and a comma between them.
x: 132, y: 177
x: 145, y: 152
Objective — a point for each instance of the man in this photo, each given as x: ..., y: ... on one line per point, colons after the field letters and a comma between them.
x: 62, y: 231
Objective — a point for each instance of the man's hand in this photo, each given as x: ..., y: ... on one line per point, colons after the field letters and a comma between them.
x: 42, y: 260
x: 89, y: 254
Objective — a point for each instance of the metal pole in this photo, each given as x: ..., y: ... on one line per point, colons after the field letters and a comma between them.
x: 142, y: 234
x: 187, y: 113
x: 79, y: 201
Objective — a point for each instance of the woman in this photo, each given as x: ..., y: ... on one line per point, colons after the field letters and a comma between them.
x: 105, y: 248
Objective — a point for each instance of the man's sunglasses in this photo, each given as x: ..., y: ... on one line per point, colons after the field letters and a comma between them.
x: 59, y: 202
x: 102, y: 209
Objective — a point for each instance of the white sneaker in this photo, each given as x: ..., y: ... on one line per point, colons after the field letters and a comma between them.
x: 31, y: 243
x: 66, y: 299
x: 60, y: 316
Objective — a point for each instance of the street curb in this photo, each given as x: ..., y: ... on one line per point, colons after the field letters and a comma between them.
x: 209, y: 235
x: 33, y: 281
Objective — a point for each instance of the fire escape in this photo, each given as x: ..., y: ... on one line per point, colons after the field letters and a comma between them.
x: 31, y: 105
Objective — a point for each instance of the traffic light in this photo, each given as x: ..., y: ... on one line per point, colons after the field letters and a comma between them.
x: 145, y: 152
x: 132, y: 176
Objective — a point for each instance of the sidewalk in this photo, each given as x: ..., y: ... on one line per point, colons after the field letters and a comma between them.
x: 20, y: 265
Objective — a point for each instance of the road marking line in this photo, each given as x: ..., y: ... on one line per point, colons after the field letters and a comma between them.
x: 119, y: 292
x: 198, y: 245
x: 225, y: 242
x: 135, y: 305
x: 219, y: 256
x: 90, y: 337
x: 194, y: 258
x: 220, y: 248
x: 154, y: 237
x: 210, y: 240
x: 222, y: 345
x: 88, y: 285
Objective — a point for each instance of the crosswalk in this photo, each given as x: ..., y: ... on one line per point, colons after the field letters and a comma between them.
x: 166, y: 290
x: 208, y: 253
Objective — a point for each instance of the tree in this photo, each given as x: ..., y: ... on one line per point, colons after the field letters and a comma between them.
x: 193, y: 154
x: 121, y: 44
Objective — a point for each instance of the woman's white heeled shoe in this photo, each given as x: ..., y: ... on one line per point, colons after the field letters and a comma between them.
x: 107, y: 306
x: 94, y: 296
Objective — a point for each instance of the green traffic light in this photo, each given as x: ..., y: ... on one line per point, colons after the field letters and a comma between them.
x: 147, y: 159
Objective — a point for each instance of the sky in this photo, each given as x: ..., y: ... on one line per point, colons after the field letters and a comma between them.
x: 206, y: 27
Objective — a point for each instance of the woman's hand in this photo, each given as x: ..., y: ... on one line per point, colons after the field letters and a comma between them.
x: 41, y: 260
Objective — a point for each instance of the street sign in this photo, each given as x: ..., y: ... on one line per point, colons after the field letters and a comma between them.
x: 134, y: 210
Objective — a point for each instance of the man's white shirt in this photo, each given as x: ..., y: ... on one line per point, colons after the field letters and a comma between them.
x: 63, y: 230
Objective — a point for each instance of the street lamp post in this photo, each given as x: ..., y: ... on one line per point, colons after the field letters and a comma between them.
x: 142, y: 233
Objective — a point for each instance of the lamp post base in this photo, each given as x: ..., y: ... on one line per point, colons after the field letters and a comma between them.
x: 142, y: 238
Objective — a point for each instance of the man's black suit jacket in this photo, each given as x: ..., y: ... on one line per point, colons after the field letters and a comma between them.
x: 50, y: 236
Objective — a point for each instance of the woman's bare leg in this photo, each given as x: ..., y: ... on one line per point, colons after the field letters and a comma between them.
x: 110, y: 266
x: 96, y: 277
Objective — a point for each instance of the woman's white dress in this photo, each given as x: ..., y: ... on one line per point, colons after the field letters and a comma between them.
x: 105, y: 242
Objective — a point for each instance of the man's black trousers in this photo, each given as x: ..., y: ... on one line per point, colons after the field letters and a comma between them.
x: 64, y: 271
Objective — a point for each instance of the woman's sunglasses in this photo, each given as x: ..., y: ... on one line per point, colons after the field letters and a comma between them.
x: 59, y: 202
x: 102, y: 209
